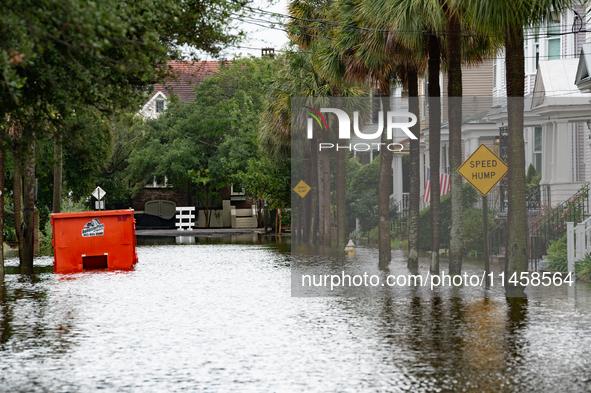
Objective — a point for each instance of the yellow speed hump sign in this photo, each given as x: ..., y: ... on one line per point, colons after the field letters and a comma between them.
x: 483, y: 169
x: 302, y: 188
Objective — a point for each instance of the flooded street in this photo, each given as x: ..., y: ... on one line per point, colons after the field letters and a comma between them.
x: 217, y: 316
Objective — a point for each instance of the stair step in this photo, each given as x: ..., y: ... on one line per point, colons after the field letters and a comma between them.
x: 244, y: 222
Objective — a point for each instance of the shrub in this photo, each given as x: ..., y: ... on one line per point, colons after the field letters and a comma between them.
x: 557, y: 255
x: 469, y: 196
x: 286, y: 217
x: 71, y: 206
x: 473, y: 231
x: 68, y: 206
x: 583, y: 267
x: 45, y: 247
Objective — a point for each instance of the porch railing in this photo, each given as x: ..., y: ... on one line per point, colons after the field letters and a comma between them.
x: 551, y: 223
x: 548, y: 223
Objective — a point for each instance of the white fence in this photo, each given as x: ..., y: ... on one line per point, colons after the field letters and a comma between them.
x: 578, y: 242
x: 185, y: 217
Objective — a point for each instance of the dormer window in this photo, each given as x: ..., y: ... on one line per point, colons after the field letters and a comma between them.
x: 159, y: 106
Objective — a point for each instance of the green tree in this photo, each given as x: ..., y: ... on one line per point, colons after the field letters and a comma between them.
x: 409, y: 52
x: 365, y: 62
x: 362, y: 192
x: 201, y: 145
x: 268, y: 180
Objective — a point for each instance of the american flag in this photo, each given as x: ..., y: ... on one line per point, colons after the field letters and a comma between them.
x: 443, y: 186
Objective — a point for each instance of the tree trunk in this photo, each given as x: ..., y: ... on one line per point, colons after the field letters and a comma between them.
x: 57, y: 175
x: 415, y: 170
x: 434, y: 147
x: 341, y: 201
x: 308, y: 216
x: 18, y: 197
x: 321, y: 185
x: 384, y: 191
x: 516, y: 216
x: 315, y: 195
x: 454, y: 93
x: 327, y: 216
x: 280, y: 211
x: 295, y: 236
x: 2, y: 190
x: 29, y: 211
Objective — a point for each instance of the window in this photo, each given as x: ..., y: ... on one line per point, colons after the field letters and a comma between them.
x: 495, y: 74
x: 553, y: 31
x: 537, y: 45
x: 234, y: 192
x: 537, y: 158
x: 159, y: 106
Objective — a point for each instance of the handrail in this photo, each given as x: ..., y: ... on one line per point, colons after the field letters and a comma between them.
x: 552, y: 224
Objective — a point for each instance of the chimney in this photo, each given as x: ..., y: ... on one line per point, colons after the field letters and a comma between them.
x: 268, y: 52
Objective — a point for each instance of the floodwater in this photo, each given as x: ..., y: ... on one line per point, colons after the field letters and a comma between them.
x: 217, y: 315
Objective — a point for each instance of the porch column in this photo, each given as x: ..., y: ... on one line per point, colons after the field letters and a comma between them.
x: 562, y: 162
x: 547, y: 153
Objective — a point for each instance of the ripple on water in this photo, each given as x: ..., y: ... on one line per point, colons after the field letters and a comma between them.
x: 220, y: 317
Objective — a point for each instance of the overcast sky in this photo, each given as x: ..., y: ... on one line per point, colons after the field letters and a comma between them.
x: 258, y: 34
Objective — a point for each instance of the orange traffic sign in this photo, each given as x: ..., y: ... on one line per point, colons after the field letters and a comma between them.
x: 483, y: 169
x: 302, y: 188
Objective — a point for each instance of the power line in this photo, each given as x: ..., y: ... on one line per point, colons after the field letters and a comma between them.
x: 421, y: 32
x: 541, y: 58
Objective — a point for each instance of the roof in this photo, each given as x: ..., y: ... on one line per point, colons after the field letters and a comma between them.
x: 184, y: 76
x: 583, y: 75
x: 555, y: 83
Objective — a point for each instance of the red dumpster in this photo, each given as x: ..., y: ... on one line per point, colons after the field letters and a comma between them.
x: 93, y: 240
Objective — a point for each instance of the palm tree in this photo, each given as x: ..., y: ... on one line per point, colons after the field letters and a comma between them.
x: 465, y: 43
x: 406, y: 19
x: 364, y: 49
x: 507, y: 19
x: 410, y: 17
x: 305, y: 13
x: 308, y: 34
x: 454, y: 94
x: 296, y: 78
x: 301, y: 77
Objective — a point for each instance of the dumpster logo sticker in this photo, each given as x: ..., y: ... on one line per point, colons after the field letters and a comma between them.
x: 93, y: 228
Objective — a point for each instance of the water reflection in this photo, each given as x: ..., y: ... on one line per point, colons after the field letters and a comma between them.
x: 219, y: 317
x: 245, y: 238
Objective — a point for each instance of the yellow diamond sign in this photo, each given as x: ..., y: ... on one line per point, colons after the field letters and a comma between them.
x: 483, y: 169
x: 302, y: 188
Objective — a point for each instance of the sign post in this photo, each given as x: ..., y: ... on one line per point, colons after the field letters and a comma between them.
x: 483, y: 170
x: 99, y: 194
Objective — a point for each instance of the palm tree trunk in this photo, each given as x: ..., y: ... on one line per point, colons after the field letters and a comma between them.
x: 57, y: 175
x: 326, y: 195
x: 384, y: 192
x: 516, y: 216
x: 415, y: 170
x: 315, y: 195
x: 321, y: 200
x: 29, y: 211
x: 434, y: 147
x: 308, y: 202
x: 18, y: 197
x: 341, y: 201
x: 2, y: 190
x: 454, y: 93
